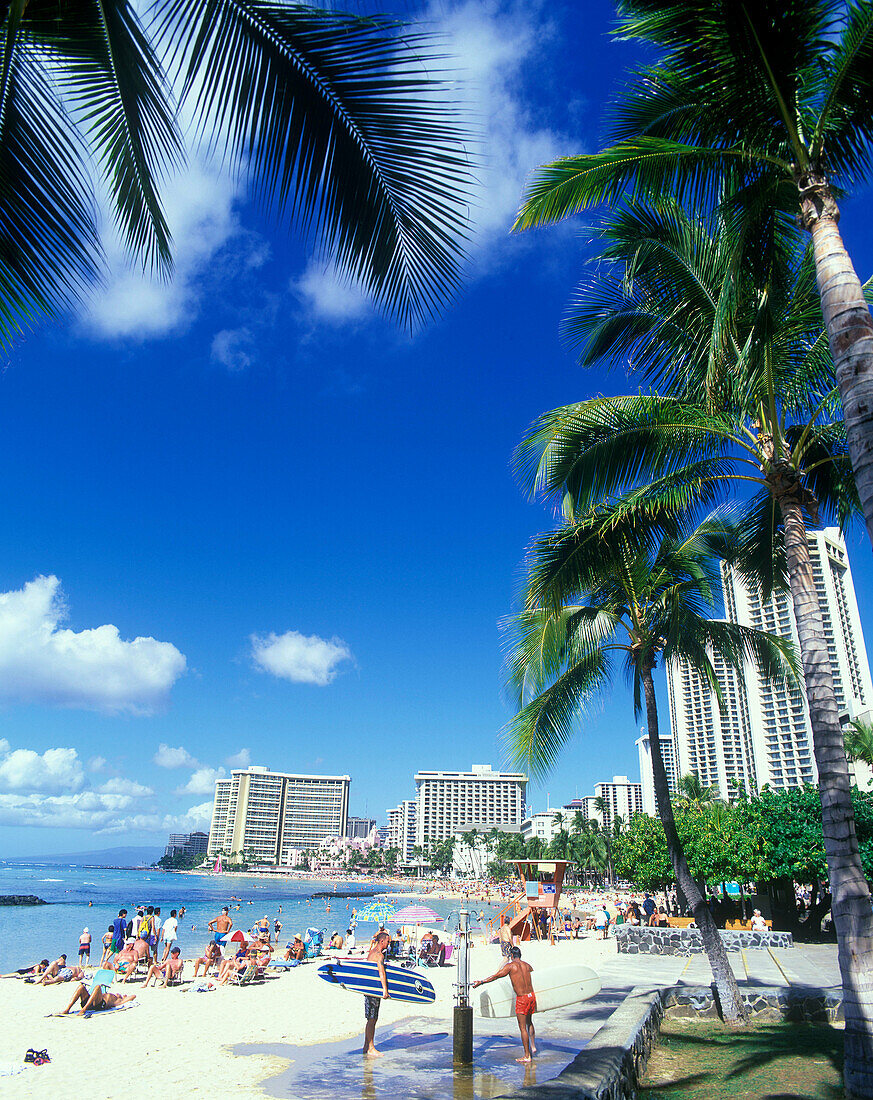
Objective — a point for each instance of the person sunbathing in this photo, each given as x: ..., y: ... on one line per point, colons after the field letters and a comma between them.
x: 212, y: 955
x: 29, y: 971
x: 96, y: 999
x: 53, y: 969
x: 296, y: 950
x: 167, y: 970
x: 59, y: 972
x: 127, y: 959
x: 236, y: 964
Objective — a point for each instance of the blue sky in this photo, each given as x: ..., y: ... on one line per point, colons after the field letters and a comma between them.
x: 281, y: 531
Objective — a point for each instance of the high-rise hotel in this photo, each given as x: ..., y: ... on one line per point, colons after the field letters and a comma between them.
x: 762, y: 735
x: 451, y: 802
x: 273, y: 815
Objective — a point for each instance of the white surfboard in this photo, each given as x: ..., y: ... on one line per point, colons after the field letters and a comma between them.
x: 555, y: 987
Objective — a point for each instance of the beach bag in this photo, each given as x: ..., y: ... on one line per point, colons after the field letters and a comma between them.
x: 313, y: 942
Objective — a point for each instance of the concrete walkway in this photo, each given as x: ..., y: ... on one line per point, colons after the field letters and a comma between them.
x: 417, y: 1060
x: 804, y: 964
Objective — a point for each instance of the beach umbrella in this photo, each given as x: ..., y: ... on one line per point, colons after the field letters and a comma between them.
x: 379, y: 912
x: 415, y: 914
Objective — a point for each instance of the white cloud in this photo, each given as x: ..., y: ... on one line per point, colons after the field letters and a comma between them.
x: 233, y: 348
x: 303, y: 660
x: 325, y: 296
x: 167, y: 757
x: 43, y: 790
x: 42, y: 662
x: 119, y: 785
x: 240, y: 759
x: 199, y: 207
x: 202, y: 781
x: 493, y: 44
x: 53, y: 770
x: 95, y: 764
x: 194, y: 818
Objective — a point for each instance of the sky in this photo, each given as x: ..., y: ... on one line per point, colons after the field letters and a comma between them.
x: 248, y: 521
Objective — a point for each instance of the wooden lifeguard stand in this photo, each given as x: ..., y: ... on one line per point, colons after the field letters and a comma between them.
x: 542, y: 881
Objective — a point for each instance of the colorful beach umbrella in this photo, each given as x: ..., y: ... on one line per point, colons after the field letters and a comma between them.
x: 415, y: 914
x: 379, y: 912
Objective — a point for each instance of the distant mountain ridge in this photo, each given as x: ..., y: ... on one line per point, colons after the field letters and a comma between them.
x: 135, y: 856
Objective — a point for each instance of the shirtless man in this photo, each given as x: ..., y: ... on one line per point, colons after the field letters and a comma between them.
x: 166, y: 970
x: 127, y: 960
x: 98, y: 998
x: 519, y: 973
x: 504, y: 935
x: 378, y: 947
x: 220, y: 925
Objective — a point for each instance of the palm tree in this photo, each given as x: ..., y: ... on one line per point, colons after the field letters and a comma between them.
x: 859, y: 743
x: 742, y: 351
x: 341, y: 124
x: 691, y: 790
x: 602, y: 586
x: 773, y: 98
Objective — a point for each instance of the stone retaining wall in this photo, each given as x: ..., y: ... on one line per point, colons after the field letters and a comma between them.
x: 632, y: 939
x: 800, y: 1004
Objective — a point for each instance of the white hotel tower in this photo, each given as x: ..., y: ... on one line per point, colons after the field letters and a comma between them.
x: 450, y: 802
x: 763, y: 736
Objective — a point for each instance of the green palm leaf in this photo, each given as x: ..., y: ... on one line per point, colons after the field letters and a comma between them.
x: 342, y: 124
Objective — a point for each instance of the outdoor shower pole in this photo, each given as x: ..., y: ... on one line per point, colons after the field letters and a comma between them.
x: 462, y: 1044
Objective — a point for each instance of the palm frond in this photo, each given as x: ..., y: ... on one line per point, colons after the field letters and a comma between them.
x: 49, y: 247
x: 346, y: 125
x: 639, y: 168
x: 108, y: 72
x: 536, y: 736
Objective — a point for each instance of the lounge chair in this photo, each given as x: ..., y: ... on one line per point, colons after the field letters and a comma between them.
x: 249, y: 976
x: 104, y: 977
x: 178, y: 978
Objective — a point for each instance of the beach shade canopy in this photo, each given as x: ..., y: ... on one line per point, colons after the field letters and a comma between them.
x: 415, y: 914
x: 379, y: 912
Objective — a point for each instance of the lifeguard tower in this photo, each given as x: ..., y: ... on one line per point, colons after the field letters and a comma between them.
x: 542, y: 881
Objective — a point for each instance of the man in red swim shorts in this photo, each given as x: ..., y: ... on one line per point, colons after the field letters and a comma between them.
x: 519, y: 973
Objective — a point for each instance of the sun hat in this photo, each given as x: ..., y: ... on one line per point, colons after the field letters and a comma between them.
x: 297, y: 936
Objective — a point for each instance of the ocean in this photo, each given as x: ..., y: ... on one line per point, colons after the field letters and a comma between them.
x: 90, y: 897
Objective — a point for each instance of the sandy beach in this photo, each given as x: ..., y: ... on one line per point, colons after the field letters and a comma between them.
x: 178, y: 1042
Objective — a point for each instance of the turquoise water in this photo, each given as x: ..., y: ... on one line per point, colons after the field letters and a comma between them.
x: 31, y: 933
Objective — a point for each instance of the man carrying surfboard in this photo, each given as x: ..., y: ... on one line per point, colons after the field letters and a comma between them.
x: 378, y: 947
x: 519, y: 972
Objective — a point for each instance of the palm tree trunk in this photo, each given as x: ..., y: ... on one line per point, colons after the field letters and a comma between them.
x: 853, y: 917
x: 849, y: 327
x: 723, y: 977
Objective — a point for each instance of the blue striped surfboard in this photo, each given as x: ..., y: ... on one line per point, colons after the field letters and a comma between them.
x: 360, y: 976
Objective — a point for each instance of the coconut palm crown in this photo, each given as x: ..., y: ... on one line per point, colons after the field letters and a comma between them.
x: 604, y: 590
x: 770, y: 103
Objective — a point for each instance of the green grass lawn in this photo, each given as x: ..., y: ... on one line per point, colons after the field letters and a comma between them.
x: 708, y: 1060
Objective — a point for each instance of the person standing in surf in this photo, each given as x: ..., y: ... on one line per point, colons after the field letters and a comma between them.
x: 378, y: 947
x: 519, y: 972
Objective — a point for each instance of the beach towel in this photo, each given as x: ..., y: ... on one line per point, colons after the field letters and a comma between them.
x: 93, y: 1012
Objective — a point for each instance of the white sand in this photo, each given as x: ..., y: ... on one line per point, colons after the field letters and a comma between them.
x: 176, y: 1043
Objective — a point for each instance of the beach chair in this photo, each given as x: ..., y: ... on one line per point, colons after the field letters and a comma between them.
x: 249, y: 976
x: 103, y: 977
x: 178, y: 978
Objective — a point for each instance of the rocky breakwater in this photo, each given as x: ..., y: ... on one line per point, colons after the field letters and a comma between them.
x: 21, y: 899
x: 642, y: 940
